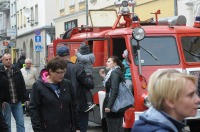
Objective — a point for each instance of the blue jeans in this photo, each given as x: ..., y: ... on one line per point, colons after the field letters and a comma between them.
x: 17, y: 113
x: 84, y: 117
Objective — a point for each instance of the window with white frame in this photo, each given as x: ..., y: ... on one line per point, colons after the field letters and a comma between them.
x: 71, y: 3
x: 1, y: 21
x: 11, y: 10
x: 80, y: 0
x: 62, y: 4
x: 20, y: 19
x: 36, y: 13
x: 14, y: 8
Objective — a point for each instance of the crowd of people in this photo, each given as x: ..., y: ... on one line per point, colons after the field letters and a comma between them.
x: 59, y: 98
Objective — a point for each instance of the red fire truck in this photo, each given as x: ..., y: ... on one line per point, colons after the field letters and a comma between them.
x: 151, y: 44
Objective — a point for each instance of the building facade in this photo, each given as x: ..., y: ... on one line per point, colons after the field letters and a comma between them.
x: 35, y: 29
x: 5, y: 27
x: 190, y: 9
x: 73, y: 13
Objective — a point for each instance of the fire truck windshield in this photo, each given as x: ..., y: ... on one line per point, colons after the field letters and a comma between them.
x: 157, y: 51
x: 191, y: 48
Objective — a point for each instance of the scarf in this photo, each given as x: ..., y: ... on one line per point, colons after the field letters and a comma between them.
x: 108, y: 75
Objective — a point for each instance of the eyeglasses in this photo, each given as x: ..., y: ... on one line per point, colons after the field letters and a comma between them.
x: 60, y: 72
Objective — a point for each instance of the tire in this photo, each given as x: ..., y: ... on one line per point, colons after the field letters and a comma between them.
x: 127, y: 130
x: 104, y: 125
x: 194, y: 125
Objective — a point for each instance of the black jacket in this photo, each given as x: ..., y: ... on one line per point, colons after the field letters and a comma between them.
x: 19, y: 85
x: 77, y: 75
x: 113, y: 83
x: 20, y: 62
x: 3, y: 125
x: 50, y: 113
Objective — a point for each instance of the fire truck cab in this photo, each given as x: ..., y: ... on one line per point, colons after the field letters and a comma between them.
x: 151, y: 44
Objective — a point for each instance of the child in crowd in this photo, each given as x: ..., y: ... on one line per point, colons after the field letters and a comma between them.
x: 127, y: 70
x: 86, y: 59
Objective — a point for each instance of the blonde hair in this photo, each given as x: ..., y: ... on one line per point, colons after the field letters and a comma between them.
x: 167, y: 84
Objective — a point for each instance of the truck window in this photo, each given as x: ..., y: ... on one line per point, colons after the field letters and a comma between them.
x: 119, y: 46
x: 157, y: 51
x: 191, y: 48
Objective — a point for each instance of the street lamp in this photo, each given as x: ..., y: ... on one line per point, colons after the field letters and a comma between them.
x: 27, y: 14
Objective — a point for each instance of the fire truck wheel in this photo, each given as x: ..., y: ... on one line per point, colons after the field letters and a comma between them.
x: 194, y: 125
x: 127, y: 130
x: 104, y: 125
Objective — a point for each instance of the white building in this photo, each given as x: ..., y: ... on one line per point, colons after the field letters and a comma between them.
x: 72, y: 13
x: 189, y: 8
x: 35, y: 29
x: 4, y: 25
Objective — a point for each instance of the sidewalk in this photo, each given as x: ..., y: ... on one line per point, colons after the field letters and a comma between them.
x: 28, y: 127
x: 27, y: 124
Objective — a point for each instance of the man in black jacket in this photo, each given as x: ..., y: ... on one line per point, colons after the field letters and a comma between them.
x: 77, y: 75
x: 12, y: 92
x: 21, y: 60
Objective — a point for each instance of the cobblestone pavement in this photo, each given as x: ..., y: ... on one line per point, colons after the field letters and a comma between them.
x: 27, y: 123
x: 28, y: 126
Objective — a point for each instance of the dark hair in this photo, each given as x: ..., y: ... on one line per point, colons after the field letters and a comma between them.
x: 117, y: 60
x: 56, y: 63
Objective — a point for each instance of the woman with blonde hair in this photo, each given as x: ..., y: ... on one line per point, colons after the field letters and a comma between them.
x: 173, y: 96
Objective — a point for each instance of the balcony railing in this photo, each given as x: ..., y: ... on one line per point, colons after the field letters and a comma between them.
x: 4, y: 6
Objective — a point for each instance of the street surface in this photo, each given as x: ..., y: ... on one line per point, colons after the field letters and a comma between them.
x: 28, y: 127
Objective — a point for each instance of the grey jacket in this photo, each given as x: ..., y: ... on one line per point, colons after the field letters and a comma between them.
x: 87, y: 61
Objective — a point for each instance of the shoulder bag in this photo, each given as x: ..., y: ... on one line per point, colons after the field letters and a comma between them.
x: 124, y: 99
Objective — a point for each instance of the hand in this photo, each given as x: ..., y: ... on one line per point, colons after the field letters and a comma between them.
x: 27, y: 103
x: 102, y: 73
x: 4, y: 105
x: 76, y: 51
x: 107, y: 110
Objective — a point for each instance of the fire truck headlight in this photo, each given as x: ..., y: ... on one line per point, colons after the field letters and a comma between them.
x: 144, y: 98
x: 147, y: 103
x: 138, y: 33
x: 118, y: 3
x: 131, y: 2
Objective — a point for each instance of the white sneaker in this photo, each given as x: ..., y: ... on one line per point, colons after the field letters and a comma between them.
x: 90, y: 107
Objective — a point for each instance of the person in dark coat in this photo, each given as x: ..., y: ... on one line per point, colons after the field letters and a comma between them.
x: 173, y: 96
x: 21, y: 60
x: 77, y: 75
x: 52, y: 104
x: 111, y: 82
x: 12, y: 92
x: 86, y: 59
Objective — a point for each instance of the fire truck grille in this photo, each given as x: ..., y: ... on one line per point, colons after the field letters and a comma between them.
x: 196, y: 73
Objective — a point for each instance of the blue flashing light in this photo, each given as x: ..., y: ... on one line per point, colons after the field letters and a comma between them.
x: 197, y: 18
x: 135, y: 18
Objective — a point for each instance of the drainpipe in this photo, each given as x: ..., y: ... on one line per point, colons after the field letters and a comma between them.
x: 175, y: 8
x: 16, y: 23
x: 86, y: 11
